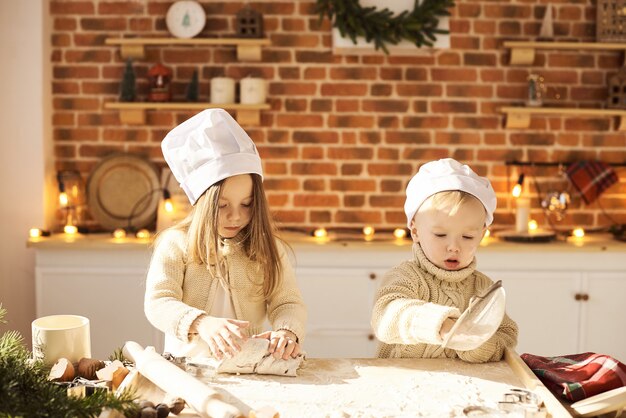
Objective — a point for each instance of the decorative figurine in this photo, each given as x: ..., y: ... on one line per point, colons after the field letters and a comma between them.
x: 160, y: 83
x: 249, y: 23
x: 192, y: 94
x: 127, y: 90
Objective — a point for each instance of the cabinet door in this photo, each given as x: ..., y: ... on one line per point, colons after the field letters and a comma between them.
x: 339, y: 303
x: 111, y: 299
x: 603, y: 314
x: 544, y: 306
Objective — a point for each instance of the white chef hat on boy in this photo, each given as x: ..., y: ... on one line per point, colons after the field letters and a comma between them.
x: 448, y: 174
x: 207, y: 148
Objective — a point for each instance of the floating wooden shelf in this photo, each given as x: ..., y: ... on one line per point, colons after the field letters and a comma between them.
x: 248, y: 49
x: 519, y: 117
x: 135, y: 113
x: 523, y: 52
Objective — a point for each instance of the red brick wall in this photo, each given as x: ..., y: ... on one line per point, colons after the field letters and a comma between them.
x: 345, y: 133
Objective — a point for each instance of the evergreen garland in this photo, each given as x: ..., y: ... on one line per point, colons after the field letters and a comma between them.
x: 381, y: 26
x: 25, y: 390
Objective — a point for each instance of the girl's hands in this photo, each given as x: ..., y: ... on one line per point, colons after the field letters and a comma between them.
x: 283, y: 343
x: 223, y: 335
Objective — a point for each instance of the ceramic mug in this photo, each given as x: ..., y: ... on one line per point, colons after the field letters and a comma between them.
x: 58, y: 336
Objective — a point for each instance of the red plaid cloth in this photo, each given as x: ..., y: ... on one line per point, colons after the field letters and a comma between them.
x: 578, y: 376
x: 591, y: 178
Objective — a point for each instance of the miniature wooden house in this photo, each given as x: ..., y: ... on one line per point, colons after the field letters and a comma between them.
x: 611, y: 21
x: 617, y: 90
x: 249, y: 23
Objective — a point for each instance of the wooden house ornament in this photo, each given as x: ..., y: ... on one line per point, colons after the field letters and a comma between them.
x: 249, y: 23
x: 611, y: 21
x: 617, y: 90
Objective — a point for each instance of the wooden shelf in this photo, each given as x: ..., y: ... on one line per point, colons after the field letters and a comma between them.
x: 519, y: 117
x: 248, y: 49
x: 523, y: 52
x: 134, y: 113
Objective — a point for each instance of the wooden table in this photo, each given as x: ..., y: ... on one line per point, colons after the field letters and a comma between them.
x: 376, y: 388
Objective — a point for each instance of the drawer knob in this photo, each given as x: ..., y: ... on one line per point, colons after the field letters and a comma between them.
x: 371, y: 337
x: 581, y: 296
x: 372, y: 276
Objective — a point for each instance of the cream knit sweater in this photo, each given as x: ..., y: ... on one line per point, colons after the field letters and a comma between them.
x: 177, y: 292
x: 414, y: 300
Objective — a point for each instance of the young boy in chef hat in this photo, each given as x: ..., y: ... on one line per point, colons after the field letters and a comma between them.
x: 448, y: 209
x: 215, y: 277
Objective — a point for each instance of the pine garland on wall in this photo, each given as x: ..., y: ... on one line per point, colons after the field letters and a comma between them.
x: 419, y: 26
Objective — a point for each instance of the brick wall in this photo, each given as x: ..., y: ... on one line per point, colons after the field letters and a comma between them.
x: 345, y: 133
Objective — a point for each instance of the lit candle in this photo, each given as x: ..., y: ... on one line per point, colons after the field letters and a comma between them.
x: 252, y: 90
x: 119, y: 233
x: 399, y: 233
x: 168, y: 205
x: 522, y: 213
x: 368, y: 231
x: 578, y: 232
x: 34, y: 233
x: 532, y: 225
x: 222, y: 90
x: 320, y: 233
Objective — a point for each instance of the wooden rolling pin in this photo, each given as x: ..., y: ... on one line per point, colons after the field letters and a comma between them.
x: 176, y: 382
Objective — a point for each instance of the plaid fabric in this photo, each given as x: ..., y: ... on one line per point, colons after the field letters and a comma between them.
x: 578, y: 376
x: 591, y: 178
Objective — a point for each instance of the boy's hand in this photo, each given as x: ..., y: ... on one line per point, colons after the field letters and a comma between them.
x: 446, y: 327
x: 223, y: 335
x: 283, y: 343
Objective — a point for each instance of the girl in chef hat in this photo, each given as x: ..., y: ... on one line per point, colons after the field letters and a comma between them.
x: 215, y: 277
x: 448, y: 209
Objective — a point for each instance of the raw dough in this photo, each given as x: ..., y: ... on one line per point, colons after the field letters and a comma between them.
x: 254, y: 358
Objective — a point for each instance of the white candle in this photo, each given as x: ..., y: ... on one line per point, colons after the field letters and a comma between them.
x: 522, y: 214
x: 252, y: 90
x: 222, y: 90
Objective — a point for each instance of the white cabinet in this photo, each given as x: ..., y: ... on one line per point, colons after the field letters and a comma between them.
x: 106, y: 285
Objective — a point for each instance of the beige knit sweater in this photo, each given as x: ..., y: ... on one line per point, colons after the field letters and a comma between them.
x: 414, y: 300
x: 177, y: 292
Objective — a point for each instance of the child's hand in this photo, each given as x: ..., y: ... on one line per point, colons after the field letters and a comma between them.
x: 282, y: 343
x: 446, y: 327
x: 223, y: 335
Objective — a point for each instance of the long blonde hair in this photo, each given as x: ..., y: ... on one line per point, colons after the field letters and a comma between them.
x: 258, y: 237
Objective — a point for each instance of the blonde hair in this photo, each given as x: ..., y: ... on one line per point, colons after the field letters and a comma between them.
x: 452, y: 200
x: 258, y: 237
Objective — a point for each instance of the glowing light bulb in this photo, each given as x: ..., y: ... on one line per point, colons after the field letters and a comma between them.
x: 320, y: 233
x: 63, y: 200
x: 70, y: 229
x: 532, y: 225
x: 578, y: 232
x: 119, y: 233
x: 517, y: 190
x: 143, y: 234
x: 168, y: 205
x: 399, y: 233
x: 35, y: 233
x: 368, y: 231
x: 487, y: 233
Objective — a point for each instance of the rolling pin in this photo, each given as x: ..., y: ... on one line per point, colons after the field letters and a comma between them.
x: 176, y: 382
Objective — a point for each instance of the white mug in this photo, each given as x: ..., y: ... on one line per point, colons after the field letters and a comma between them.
x: 61, y: 336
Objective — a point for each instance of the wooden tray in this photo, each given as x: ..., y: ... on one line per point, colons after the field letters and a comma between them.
x: 535, y: 236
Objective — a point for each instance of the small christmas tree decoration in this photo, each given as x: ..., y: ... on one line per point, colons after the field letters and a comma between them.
x: 127, y: 90
x: 547, y: 27
x: 249, y: 23
x: 193, y: 87
x: 617, y: 90
x: 160, y: 83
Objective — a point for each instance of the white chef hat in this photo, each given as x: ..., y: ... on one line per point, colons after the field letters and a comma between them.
x: 447, y: 174
x: 207, y: 148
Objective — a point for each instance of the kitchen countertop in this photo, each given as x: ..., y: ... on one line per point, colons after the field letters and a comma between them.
x: 375, y: 388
